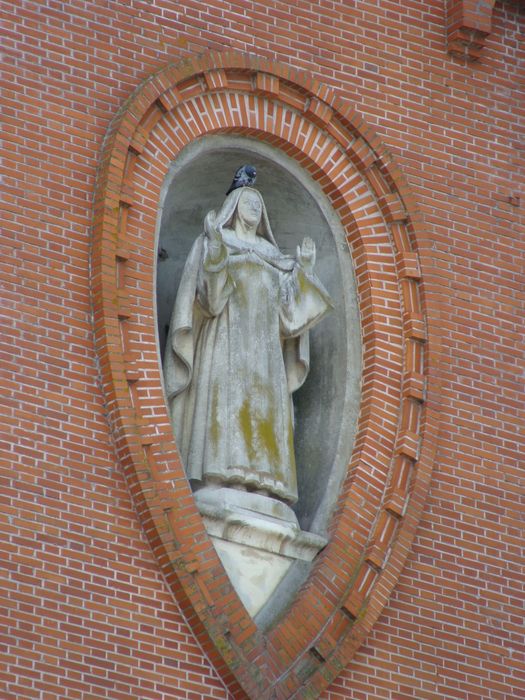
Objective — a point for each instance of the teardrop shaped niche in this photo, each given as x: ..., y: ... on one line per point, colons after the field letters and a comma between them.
x: 326, y: 406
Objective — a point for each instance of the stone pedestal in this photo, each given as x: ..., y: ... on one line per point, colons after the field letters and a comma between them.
x: 257, y: 538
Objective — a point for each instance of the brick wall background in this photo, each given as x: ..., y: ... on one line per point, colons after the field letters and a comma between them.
x: 84, y: 612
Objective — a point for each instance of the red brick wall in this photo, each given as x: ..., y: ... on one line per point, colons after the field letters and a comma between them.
x: 84, y: 611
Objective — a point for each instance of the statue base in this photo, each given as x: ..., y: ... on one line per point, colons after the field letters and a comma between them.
x: 257, y: 538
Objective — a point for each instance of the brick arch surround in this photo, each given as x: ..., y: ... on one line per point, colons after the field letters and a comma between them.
x: 388, y: 474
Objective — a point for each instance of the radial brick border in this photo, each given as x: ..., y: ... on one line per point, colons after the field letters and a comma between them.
x: 388, y: 475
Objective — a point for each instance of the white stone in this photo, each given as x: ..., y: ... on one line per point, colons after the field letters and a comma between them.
x: 253, y: 572
x: 257, y: 538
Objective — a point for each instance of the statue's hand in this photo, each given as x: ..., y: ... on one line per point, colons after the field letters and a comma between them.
x: 213, y: 235
x: 306, y: 254
x: 210, y: 228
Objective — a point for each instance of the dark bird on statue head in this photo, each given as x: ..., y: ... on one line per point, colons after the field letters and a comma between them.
x: 245, y: 176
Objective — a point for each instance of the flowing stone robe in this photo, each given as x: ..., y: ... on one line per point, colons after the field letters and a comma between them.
x: 237, y: 349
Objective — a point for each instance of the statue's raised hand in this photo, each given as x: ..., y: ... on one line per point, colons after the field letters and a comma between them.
x: 213, y: 235
x: 210, y: 228
x: 306, y: 254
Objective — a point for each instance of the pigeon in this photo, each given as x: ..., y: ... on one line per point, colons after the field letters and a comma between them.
x: 245, y: 176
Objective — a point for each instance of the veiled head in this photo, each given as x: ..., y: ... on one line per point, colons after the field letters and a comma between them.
x: 249, y: 207
x: 245, y: 201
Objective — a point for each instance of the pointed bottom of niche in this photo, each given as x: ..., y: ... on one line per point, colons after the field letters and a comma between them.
x: 257, y: 539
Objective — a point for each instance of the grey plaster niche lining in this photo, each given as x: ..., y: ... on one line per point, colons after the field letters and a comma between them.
x: 327, y: 405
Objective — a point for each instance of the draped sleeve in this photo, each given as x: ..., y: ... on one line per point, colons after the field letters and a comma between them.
x: 205, y: 279
x: 184, y: 324
x: 304, y: 302
x: 214, y: 283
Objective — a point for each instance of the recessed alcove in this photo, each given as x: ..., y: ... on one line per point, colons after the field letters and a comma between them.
x: 327, y: 405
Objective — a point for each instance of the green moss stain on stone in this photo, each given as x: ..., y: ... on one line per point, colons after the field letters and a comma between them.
x: 303, y: 282
x: 260, y: 437
x: 291, y: 450
x: 268, y: 441
x: 214, y: 418
x: 245, y: 424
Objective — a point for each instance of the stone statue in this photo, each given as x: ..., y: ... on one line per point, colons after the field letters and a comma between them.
x: 238, y: 348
